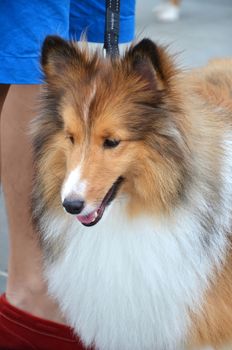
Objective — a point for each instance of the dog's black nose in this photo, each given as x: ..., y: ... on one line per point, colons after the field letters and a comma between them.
x: 73, y: 206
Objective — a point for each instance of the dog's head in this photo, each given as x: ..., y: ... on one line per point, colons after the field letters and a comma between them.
x: 108, y: 127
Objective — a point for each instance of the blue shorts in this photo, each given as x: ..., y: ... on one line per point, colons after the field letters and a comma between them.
x: 25, y: 24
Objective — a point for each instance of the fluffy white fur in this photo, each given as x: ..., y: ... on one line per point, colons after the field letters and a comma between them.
x: 128, y: 284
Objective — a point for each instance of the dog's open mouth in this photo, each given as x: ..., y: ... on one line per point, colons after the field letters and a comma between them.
x: 96, y: 215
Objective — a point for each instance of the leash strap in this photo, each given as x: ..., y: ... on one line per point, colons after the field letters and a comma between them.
x: 112, y: 20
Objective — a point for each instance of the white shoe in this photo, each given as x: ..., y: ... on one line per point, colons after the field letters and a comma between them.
x: 167, y: 12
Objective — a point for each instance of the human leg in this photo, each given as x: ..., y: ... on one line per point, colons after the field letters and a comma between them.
x: 3, y: 92
x: 175, y: 2
x: 168, y: 10
x: 26, y: 288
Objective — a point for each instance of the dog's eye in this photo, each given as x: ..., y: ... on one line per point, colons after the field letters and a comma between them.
x: 111, y: 143
x: 71, y: 138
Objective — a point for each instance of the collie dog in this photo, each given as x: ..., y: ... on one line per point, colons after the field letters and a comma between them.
x: 133, y: 196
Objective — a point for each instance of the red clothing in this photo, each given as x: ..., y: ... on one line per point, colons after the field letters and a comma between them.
x: 22, y: 331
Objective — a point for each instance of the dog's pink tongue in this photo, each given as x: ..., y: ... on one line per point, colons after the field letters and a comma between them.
x: 86, y: 219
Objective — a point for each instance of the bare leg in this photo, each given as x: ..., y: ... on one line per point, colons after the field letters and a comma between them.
x: 3, y: 92
x: 175, y: 2
x: 25, y: 287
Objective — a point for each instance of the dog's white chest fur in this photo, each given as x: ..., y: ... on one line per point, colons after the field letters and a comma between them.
x: 129, y: 284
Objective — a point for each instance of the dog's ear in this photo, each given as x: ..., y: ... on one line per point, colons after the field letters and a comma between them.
x: 151, y: 62
x: 57, y: 54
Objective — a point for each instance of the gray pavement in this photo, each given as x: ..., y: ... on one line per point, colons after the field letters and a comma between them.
x: 204, y: 31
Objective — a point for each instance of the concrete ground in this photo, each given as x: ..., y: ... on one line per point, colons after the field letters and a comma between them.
x: 203, y: 31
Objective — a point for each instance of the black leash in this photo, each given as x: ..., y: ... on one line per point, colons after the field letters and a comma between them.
x: 112, y: 21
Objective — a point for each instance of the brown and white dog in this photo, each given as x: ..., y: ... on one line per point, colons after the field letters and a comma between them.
x: 140, y: 155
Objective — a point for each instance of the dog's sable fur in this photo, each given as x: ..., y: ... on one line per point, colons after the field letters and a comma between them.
x: 156, y: 271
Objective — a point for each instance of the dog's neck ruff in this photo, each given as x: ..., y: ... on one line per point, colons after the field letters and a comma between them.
x: 129, y: 284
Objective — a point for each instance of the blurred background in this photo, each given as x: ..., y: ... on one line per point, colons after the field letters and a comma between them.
x: 202, y: 31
